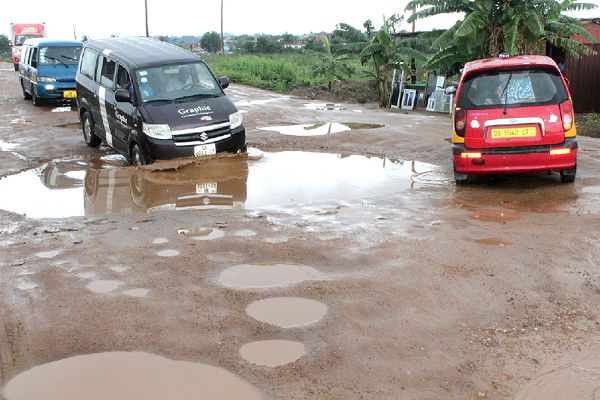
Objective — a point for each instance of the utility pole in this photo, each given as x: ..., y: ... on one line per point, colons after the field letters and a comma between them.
x: 146, y: 6
x: 74, y: 33
x: 413, y: 62
x: 222, y: 37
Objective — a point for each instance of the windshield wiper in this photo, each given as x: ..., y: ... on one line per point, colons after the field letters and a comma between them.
x: 201, y: 95
x: 505, y: 93
x: 159, y: 99
x: 69, y: 58
x: 60, y: 61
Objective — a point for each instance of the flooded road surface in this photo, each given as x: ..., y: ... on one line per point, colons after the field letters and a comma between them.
x: 287, y: 312
x: 127, y: 376
x: 319, y: 129
x: 73, y: 188
x: 272, y: 353
x: 267, y: 276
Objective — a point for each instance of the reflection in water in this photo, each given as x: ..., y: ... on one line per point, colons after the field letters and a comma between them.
x: 70, y: 188
x: 319, y: 129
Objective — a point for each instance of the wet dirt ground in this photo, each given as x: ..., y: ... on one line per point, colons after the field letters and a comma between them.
x: 340, y: 265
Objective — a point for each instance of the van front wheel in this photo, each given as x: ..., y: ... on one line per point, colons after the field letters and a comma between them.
x: 137, y: 156
x: 87, y: 126
x: 568, y: 175
x: 26, y: 95
x: 34, y: 98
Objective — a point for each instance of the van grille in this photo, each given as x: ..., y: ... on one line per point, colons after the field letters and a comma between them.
x: 201, y: 136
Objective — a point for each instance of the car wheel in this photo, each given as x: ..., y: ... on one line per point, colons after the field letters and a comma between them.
x: 87, y: 127
x: 461, y: 179
x: 34, y: 98
x: 26, y: 95
x: 568, y: 175
x: 16, y: 67
x: 137, y: 156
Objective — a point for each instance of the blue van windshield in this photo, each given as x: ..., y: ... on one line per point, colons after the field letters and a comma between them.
x: 59, y: 55
x: 177, y: 82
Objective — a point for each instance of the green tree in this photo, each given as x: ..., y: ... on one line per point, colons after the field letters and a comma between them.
x: 490, y: 27
x: 84, y: 38
x: 267, y: 45
x: 380, y: 50
x: 331, y: 66
x: 288, y: 38
x: 4, y: 48
x: 211, y: 42
x: 315, y: 43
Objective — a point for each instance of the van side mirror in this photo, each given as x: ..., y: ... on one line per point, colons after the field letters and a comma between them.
x: 224, y: 81
x: 122, y: 96
x: 450, y: 90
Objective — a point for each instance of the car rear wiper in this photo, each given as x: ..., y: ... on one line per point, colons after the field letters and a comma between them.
x: 56, y: 59
x: 505, y: 92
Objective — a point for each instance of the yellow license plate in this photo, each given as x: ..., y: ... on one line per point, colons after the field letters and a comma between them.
x: 70, y: 94
x: 507, y: 133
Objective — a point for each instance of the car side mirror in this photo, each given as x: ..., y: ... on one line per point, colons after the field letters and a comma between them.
x: 224, y: 81
x: 450, y: 90
x: 122, y: 96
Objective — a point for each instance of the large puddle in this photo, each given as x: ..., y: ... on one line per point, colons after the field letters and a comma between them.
x: 319, y: 129
x: 127, y: 376
x: 287, y: 312
x: 272, y: 353
x: 248, y: 276
x: 74, y: 188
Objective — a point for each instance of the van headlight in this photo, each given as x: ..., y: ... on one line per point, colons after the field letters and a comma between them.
x: 45, y: 79
x: 235, y: 119
x: 157, y: 131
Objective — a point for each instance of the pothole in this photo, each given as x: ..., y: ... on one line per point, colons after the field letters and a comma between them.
x: 103, y: 286
x: 48, y: 254
x: 139, y: 292
x: 250, y: 276
x: 272, y: 353
x: 203, y: 234
x: 245, y: 233
x: 496, y: 216
x: 127, y: 376
x: 325, y: 106
x: 168, y: 253
x: 160, y: 241
x: 493, y: 241
x: 287, y: 312
x: 319, y: 129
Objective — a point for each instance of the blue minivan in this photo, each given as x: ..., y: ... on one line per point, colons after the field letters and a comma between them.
x: 47, y: 69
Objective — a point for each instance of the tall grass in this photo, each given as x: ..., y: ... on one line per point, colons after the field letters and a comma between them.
x: 280, y: 72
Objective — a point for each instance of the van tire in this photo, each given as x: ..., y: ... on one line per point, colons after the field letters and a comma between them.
x: 137, y: 156
x: 87, y: 128
x: 37, y: 101
x: 26, y: 95
x: 461, y: 179
x: 16, y: 67
x: 568, y: 175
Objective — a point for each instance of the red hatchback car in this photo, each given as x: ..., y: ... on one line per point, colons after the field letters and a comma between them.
x: 513, y: 115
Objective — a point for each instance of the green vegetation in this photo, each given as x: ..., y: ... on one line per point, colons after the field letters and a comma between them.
x: 490, y: 27
x: 211, y: 42
x: 279, y: 72
x: 588, y: 124
x: 331, y: 66
x: 5, y: 55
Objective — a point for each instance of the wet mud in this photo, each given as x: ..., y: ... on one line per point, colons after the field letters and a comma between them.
x: 287, y: 312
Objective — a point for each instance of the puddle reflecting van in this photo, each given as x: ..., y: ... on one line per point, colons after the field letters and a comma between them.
x: 512, y: 115
x: 150, y: 100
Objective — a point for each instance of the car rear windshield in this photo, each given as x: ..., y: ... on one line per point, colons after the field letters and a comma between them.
x: 512, y: 88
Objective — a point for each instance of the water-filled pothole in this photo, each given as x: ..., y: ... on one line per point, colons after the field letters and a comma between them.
x: 287, y: 312
x: 495, y: 216
x: 272, y: 353
x: 127, y: 376
x: 103, y: 286
x: 75, y: 188
x: 248, y: 276
x: 325, y: 106
x: 168, y: 253
x: 319, y: 129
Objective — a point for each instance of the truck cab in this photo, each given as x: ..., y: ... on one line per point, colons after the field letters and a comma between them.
x: 21, y: 32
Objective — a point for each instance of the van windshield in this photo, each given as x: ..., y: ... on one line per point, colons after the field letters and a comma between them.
x: 512, y: 88
x: 59, y: 55
x: 177, y: 82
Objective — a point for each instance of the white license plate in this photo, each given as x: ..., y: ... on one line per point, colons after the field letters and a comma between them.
x: 206, y: 188
x: 205, y: 150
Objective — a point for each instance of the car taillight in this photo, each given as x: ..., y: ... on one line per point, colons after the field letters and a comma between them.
x: 460, y: 121
x: 567, y: 115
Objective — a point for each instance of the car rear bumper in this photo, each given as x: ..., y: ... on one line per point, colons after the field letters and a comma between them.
x: 514, y: 159
x: 166, y: 149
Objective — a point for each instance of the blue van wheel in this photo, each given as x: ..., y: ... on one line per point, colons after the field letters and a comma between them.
x: 37, y: 101
x: 26, y: 95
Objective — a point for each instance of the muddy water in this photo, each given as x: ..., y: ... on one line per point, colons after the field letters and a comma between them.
x: 325, y: 106
x: 287, y: 312
x: 127, y: 376
x: 248, y: 276
x: 272, y: 353
x: 139, y: 292
x: 168, y: 253
x: 73, y: 188
x: 103, y: 286
x: 580, y: 380
x: 319, y: 129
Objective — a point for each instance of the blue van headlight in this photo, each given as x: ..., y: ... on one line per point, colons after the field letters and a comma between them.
x: 45, y: 79
x: 157, y: 131
x: 235, y: 119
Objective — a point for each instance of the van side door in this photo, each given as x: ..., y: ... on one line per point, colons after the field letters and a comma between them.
x: 124, y: 114
x: 87, y: 87
x: 105, y: 76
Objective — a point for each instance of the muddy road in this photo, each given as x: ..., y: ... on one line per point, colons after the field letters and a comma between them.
x: 337, y: 260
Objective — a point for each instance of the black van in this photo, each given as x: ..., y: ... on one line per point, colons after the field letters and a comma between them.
x: 151, y: 100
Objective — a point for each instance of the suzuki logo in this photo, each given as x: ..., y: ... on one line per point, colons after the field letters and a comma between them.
x: 203, y: 136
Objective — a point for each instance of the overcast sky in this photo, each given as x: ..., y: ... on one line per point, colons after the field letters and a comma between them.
x: 98, y: 19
